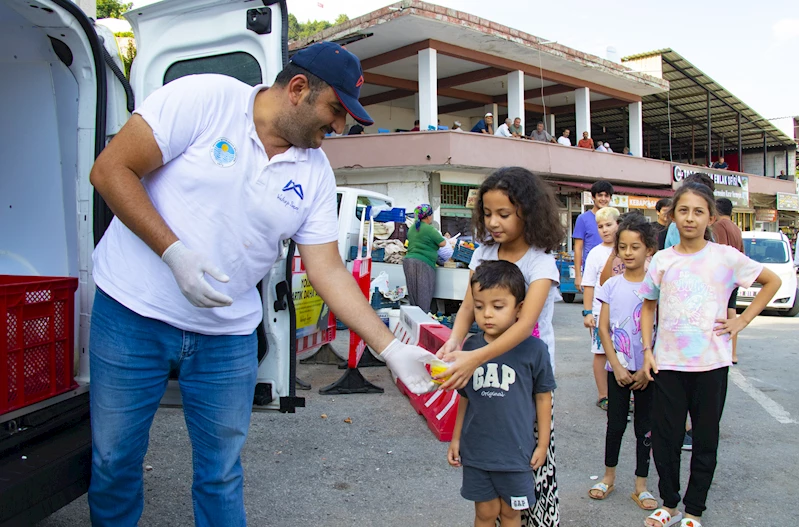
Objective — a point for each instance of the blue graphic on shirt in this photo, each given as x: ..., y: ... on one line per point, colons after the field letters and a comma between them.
x: 223, y: 153
x: 296, y: 187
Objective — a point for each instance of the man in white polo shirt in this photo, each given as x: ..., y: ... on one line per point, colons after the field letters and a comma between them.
x: 207, y: 179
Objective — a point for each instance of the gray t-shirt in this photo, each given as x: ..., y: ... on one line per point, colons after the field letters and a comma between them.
x: 535, y: 265
x: 543, y: 136
x: 498, y: 425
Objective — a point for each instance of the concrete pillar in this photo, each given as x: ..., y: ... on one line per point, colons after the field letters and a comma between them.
x: 636, y: 129
x: 428, y: 89
x: 550, y: 124
x: 582, y: 112
x: 516, y: 95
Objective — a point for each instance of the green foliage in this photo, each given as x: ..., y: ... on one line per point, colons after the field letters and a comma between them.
x: 112, y: 8
x: 124, y: 34
x: 299, y: 30
x: 127, y: 57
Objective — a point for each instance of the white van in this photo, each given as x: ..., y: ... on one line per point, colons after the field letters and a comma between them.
x: 773, y: 250
x: 62, y: 97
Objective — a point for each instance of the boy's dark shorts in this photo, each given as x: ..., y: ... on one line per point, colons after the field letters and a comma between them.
x: 733, y: 299
x: 517, y: 489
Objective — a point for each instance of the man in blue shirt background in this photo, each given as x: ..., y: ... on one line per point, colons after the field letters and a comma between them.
x: 485, y: 125
x: 586, y: 235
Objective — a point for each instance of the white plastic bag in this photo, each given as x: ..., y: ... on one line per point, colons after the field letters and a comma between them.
x: 381, y: 283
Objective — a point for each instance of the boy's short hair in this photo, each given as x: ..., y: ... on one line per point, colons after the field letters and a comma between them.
x: 607, y: 214
x: 664, y: 202
x: 724, y: 206
x: 499, y: 273
x: 602, y: 186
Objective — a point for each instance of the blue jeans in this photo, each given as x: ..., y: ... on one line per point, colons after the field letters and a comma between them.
x: 131, y: 357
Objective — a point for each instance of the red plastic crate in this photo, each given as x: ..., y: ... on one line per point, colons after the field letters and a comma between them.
x: 36, y: 356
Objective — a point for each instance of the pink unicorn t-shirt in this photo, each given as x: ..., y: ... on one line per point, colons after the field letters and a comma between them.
x: 625, y: 306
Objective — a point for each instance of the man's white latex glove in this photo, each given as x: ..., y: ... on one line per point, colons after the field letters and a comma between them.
x: 189, y: 268
x: 408, y: 364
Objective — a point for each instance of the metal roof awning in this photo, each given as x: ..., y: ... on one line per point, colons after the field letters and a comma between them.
x: 621, y: 189
x: 682, y: 113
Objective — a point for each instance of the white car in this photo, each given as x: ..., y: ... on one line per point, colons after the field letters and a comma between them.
x: 773, y: 250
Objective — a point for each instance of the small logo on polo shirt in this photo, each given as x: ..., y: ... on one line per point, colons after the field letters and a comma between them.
x: 223, y: 153
x: 296, y: 187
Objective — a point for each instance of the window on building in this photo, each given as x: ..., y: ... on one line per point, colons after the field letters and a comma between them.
x: 239, y: 65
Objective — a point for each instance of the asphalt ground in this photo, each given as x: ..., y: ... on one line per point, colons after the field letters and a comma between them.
x: 386, y: 468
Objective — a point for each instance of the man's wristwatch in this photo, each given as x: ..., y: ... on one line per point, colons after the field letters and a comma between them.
x: 587, y: 312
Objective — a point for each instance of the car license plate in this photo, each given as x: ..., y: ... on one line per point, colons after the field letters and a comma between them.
x: 748, y: 293
x: 571, y: 271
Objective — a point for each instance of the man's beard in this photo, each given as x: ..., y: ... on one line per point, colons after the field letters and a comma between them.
x: 302, y: 129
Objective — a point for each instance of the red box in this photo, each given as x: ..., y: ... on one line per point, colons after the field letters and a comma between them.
x: 37, y: 317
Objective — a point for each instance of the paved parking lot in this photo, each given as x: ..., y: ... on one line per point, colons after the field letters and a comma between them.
x: 386, y: 468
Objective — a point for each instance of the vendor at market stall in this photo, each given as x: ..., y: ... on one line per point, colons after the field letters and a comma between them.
x: 419, y: 263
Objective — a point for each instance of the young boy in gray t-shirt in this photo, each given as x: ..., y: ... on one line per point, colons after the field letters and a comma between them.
x: 493, y: 438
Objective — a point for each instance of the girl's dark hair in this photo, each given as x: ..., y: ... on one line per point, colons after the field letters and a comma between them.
x: 637, y: 223
x: 703, y: 191
x: 535, y: 204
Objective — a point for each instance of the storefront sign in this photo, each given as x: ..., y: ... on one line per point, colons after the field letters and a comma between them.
x: 642, y: 202
x: 618, y: 201
x: 471, y: 199
x: 734, y: 187
x: 787, y: 201
x: 766, y: 215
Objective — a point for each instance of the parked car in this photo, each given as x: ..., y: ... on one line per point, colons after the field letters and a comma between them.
x: 773, y: 250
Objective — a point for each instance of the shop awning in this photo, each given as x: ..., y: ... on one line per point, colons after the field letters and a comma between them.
x: 621, y: 189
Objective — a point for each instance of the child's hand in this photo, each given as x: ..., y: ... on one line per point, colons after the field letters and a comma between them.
x: 640, y: 380
x: 460, y: 370
x: 733, y: 326
x: 448, y: 347
x: 650, y: 365
x: 589, y: 321
x: 539, y: 457
x: 623, y: 377
x: 454, y: 454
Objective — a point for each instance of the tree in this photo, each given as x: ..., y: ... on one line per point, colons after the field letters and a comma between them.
x: 112, y: 8
x: 299, y: 30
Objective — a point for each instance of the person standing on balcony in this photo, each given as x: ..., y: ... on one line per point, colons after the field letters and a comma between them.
x: 504, y: 129
x: 601, y: 148
x: 456, y: 126
x: 586, y: 234
x: 539, y: 134
x: 564, y: 139
x: 586, y: 142
x: 415, y: 126
x: 419, y: 263
x: 516, y: 129
x: 485, y: 125
x: 720, y: 164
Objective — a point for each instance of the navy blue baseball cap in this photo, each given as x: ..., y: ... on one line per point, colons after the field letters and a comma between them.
x: 341, y: 70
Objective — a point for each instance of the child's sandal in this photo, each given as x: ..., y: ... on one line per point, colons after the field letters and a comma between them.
x: 664, y: 518
x: 604, y: 488
x: 645, y: 495
x: 688, y: 522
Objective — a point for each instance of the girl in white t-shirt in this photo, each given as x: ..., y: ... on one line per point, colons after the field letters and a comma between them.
x: 517, y: 217
x: 607, y: 223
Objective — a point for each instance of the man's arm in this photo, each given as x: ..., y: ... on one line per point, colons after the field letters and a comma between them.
x: 131, y: 155
x: 339, y: 290
x: 578, y: 263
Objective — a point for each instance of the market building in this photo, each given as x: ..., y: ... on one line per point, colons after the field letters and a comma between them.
x: 437, y: 65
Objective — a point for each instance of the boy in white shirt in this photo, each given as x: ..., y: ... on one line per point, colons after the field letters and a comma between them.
x: 607, y: 224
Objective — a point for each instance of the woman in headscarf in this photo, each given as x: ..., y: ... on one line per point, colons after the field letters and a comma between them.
x: 420, y: 261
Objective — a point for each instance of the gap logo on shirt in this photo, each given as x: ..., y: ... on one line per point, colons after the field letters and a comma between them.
x: 491, y: 376
x: 223, y: 153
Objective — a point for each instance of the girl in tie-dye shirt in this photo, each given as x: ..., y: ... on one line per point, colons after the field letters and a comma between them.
x: 690, y: 284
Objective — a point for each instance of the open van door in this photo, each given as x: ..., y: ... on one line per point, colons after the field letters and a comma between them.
x: 248, y: 41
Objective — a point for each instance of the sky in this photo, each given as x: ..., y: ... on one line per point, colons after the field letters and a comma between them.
x: 748, y: 47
